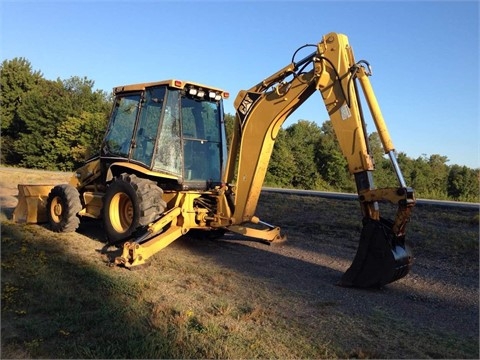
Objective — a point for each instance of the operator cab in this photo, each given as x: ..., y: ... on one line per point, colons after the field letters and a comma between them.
x: 174, y: 129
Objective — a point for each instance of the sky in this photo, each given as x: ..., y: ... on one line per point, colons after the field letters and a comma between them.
x: 424, y: 54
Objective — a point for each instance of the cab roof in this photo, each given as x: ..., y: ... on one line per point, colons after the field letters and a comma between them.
x: 175, y: 83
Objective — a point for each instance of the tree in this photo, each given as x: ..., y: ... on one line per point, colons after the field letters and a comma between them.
x: 384, y: 175
x: 302, y: 139
x: 89, y: 122
x: 282, y: 167
x: 438, y: 176
x: 330, y: 162
x: 63, y: 122
x: 48, y: 124
x: 16, y: 79
x: 463, y: 183
x: 43, y: 111
x: 419, y: 177
x: 229, y: 123
x: 82, y: 96
x: 428, y: 176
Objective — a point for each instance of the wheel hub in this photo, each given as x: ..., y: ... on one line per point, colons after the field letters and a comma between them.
x: 56, y: 209
x: 121, y: 212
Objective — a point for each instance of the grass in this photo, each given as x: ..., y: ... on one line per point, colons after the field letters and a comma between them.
x: 63, y: 306
x: 227, y: 299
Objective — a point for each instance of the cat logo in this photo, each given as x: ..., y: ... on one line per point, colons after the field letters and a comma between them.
x: 246, y: 105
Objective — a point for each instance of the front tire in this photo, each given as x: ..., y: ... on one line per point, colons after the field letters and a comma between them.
x: 63, y: 205
x: 130, y: 203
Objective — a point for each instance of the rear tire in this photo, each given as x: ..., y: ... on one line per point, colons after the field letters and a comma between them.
x: 130, y: 203
x: 63, y: 205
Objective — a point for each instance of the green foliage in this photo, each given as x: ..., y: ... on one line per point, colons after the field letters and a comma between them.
x: 282, y: 167
x: 229, y: 123
x: 16, y: 79
x: 42, y: 112
x: 302, y: 139
x: 309, y: 157
x: 48, y: 124
x: 306, y: 156
x: 463, y: 183
x: 330, y: 161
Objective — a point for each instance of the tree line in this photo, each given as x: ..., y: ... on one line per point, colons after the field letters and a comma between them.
x: 308, y: 156
x: 56, y: 125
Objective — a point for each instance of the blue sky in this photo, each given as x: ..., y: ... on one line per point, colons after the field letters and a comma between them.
x: 424, y: 54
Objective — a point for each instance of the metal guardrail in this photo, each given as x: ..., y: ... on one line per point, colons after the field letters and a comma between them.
x: 349, y: 196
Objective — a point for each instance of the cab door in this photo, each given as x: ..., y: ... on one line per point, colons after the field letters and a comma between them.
x: 144, y: 140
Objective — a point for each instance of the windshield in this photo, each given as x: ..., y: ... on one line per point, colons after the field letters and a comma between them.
x: 122, y: 122
x: 168, y: 156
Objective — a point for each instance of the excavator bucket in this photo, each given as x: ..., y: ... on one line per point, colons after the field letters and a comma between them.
x: 382, y: 257
x: 32, y: 202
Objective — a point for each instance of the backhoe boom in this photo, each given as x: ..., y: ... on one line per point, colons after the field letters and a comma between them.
x: 260, y: 113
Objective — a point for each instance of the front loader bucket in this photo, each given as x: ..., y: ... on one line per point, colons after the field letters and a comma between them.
x: 32, y: 202
x: 382, y: 257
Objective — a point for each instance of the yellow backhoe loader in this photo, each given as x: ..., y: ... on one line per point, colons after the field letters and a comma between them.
x: 163, y: 168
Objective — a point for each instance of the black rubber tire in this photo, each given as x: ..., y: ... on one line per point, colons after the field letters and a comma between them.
x: 63, y: 205
x: 130, y: 203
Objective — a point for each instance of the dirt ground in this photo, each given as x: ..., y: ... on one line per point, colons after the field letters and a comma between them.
x: 440, y: 294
